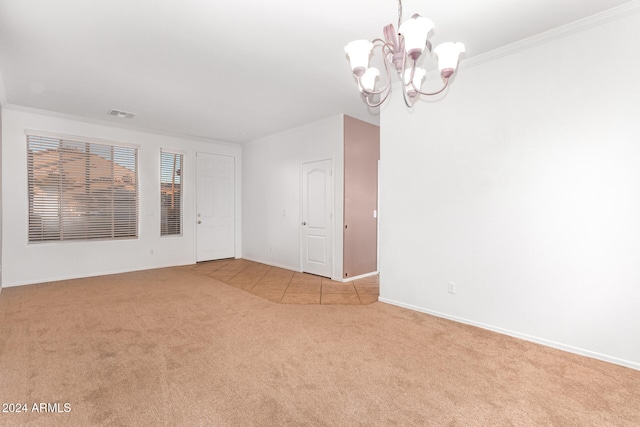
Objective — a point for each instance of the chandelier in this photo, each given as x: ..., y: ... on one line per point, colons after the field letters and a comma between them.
x: 402, y: 52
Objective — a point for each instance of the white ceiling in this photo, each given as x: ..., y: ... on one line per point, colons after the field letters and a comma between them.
x: 230, y: 70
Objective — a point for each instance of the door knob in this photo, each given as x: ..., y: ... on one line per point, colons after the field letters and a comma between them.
x: 304, y: 223
x: 199, y: 222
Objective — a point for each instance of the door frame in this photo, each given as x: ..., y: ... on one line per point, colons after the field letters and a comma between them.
x: 331, y: 226
x: 237, y: 201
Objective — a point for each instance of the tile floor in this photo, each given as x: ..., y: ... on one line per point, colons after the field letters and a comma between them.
x: 289, y: 287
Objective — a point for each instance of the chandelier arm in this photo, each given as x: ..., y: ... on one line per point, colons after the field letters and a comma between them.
x: 379, y: 103
x: 376, y: 92
x: 384, y: 92
x: 387, y: 87
x: 417, y: 89
x: 446, y: 84
x: 388, y: 50
x: 373, y: 92
x: 408, y: 100
x: 413, y: 73
x: 388, y: 57
x: 404, y: 65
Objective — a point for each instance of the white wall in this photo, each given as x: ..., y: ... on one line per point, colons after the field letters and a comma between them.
x: 522, y: 186
x: 271, y: 191
x: 1, y: 110
x: 25, y: 263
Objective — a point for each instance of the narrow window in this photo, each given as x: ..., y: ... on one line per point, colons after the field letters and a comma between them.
x: 171, y: 193
x: 81, y: 190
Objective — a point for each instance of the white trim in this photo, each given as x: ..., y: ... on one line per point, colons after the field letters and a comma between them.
x: 172, y: 151
x: 378, y: 212
x: 300, y: 220
x: 530, y: 338
x: 351, y: 279
x: 288, y: 267
x: 271, y: 264
x: 544, y: 37
x: 87, y: 275
x: 562, y: 31
x: 77, y: 138
x: 337, y: 236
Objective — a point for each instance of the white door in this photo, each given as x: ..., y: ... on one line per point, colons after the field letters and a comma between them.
x: 317, y: 207
x: 215, y: 207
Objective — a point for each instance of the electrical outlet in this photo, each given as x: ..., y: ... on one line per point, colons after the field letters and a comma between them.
x: 451, y: 287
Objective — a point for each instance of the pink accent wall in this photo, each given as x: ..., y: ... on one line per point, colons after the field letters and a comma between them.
x: 361, y: 155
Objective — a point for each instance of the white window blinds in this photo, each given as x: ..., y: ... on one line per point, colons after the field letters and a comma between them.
x: 81, y: 190
x: 171, y: 193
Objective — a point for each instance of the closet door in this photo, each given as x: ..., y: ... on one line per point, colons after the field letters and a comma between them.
x: 317, y: 213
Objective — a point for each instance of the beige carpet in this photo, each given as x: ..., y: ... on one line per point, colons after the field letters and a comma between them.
x: 173, y: 347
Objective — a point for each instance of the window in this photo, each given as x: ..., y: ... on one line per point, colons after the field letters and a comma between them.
x: 170, y: 193
x: 81, y: 190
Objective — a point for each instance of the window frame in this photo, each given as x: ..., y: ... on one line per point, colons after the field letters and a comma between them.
x: 180, y: 224
x: 92, y: 229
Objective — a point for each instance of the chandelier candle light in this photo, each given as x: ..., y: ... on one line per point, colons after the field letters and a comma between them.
x: 403, y: 53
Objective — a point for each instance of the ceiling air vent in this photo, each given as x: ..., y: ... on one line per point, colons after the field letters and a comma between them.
x: 121, y: 114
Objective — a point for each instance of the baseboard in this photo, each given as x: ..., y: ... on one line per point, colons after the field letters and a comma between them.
x: 361, y: 276
x: 272, y: 264
x: 83, y: 276
x: 537, y: 340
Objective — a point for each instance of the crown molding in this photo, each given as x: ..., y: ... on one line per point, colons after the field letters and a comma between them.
x: 547, y: 36
x: 556, y: 33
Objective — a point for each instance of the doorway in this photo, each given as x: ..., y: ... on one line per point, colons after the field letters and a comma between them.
x: 317, y: 216
x: 215, y: 207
